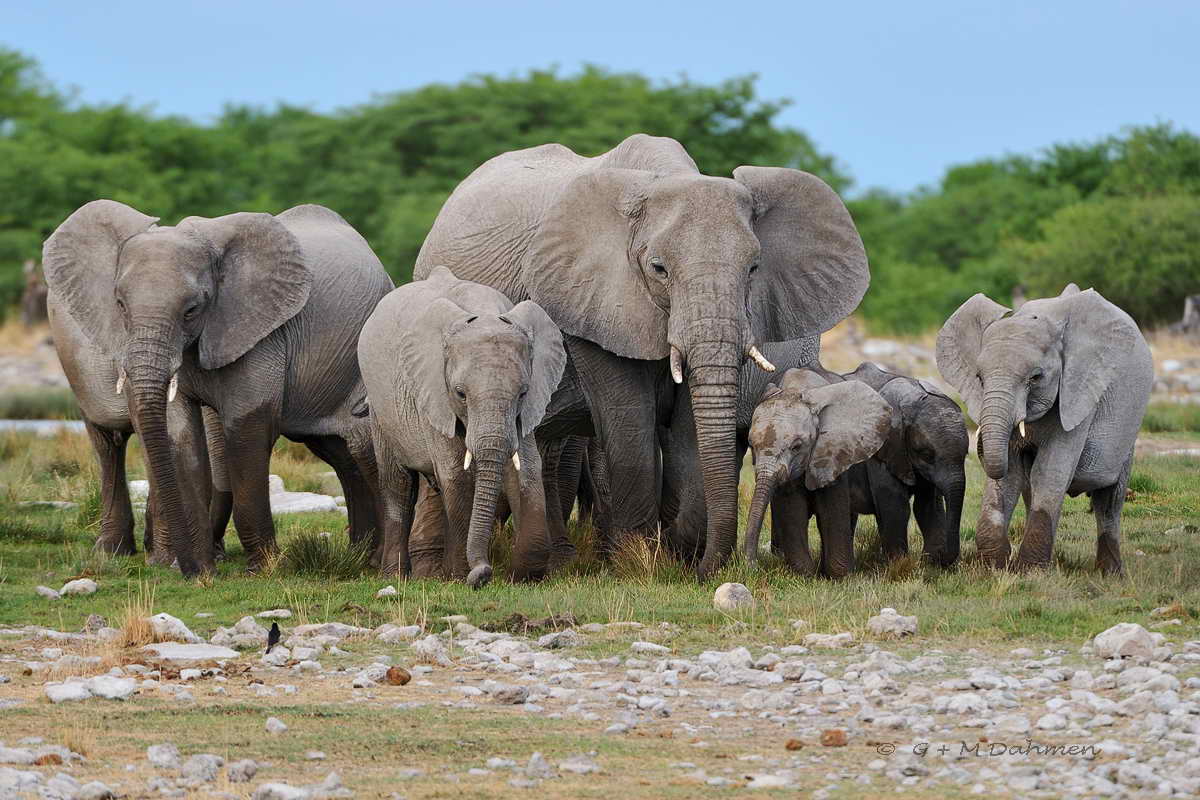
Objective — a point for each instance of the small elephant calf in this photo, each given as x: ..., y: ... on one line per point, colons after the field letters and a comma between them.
x: 806, y: 432
x: 457, y: 380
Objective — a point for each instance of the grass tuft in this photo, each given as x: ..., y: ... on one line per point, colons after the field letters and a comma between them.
x: 1172, y: 417
x: 135, y: 623
x: 320, y: 556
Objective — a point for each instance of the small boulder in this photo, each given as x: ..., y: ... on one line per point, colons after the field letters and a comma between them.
x: 275, y: 613
x: 891, y: 623
x: 111, y: 687
x: 387, y: 591
x: 732, y: 597
x: 68, y: 692
x: 177, y: 653
x: 275, y: 725
x: 171, y: 629
x: 95, y: 790
x: 397, y: 676
x: 242, y: 771
x: 79, y: 586
x: 1124, y: 640
x: 164, y: 756
x: 47, y: 592
x: 431, y: 650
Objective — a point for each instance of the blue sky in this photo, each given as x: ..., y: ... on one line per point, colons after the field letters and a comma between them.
x: 896, y: 90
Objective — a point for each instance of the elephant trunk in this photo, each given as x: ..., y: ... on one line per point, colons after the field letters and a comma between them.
x: 953, y: 491
x: 713, y: 380
x: 995, y: 428
x: 766, y: 478
x: 491, y: 454
x: 150, y: 367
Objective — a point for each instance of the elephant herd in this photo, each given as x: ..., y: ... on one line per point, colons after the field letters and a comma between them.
x: 559, y: 305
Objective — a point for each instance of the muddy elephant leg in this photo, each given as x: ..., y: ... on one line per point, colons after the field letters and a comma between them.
x: 683, y: 512
x: 995, y: 512
x: 601, y: 494
x: 790, y: 512
x: 832, y: 506
x: 562, y: 550
x: 116, y: 514
x: 531, y: 549
x: 458, y: 496
x: 220, y: 509
x: 622, y: 394
x: 890, y: 498
x: 1106, y: 505
x: 185, y: 425
x: 248, y: 444
x: 427, y: 541
x: 1051, y: 474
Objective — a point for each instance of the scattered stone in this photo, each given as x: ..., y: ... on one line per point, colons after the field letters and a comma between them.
x: 71, y: 691
x: 172, y: 629
x: 111, y: 687
x: 732, y: 597
x: 398, y: 676
x: 164, y: 756
x: 46, y: 591
x: 387, y: 591
x: 431, y: 650
x: 395, y: 634
x: 201, y: 768
x: 79, y: 586
x: 538, y: 767
x: 280, y: 791
x: 509, y: 695
x: 242, y: 771
x: 891, y: 623
x: 834, y: 737
x: 649, y: 648
x: 1124, y: 640
x: 275, y: 725
x: 579, y: 765
x: 176, y: 653
x: 95, y: 790
x: 315, y: 755
x: 769, y: 782
x: 829, y: 640
x: 275, y: 613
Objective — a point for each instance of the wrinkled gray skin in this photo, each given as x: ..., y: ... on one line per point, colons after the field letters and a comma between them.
x: 684, y: 512
x: 922, y: 461
x: 453, y: 368
x: 1073, y: 372
x: 806, y: 432
x: 638, y: 257
x: 257, y: 317
x: 93, y: 378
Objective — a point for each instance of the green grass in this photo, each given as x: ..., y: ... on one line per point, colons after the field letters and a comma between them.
x: 46, y: 403
x: 1168, y: 417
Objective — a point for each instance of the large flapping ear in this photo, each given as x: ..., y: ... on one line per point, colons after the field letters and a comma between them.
x: 1097, y: 340
x: 581, y: 269
x: 262, y: 282
x: 801, y: 380
x: 852, y: 423
x: 549, y: 360
x: 420, y: 338
x: 871, y: 375
x: 80, y: 262
x: 958, y: 345
x: 813, y: 267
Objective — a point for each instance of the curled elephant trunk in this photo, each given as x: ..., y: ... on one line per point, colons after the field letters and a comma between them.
x: 150, y: 374
x: 714, y: 403
x: 766, y: 478
x: 995, y: 429
x: 491, y: 456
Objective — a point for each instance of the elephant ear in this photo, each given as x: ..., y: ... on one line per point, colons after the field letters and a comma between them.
x: 421, y: 346
x: 1069, y: 289
x: 262, y: 282
x: 581, y: 272
x: 80, y: 262
x: 958, y: 345
x: 907, y: 398
x: 1096, y: 340
x: 813, y: 268
x: 853, y: 422
x: 549, y: 360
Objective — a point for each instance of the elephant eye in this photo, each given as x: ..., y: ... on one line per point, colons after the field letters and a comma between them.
x: 191, y: 311
x: 121, y: 305
x: 753, y: 268
x: 1036, y: 376
x: 462, y: 395
x: 524, y: 392
x: 657, y: 265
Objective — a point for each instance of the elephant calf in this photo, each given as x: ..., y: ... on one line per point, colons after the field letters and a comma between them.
x: 457, y: 380
x: 1059, y: 389
x: 806, y: 433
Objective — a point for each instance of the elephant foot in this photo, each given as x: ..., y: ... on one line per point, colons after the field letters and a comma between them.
x: 119, y: 547
x: 1027, y: 565
x: 160, y: 558
x: 1108, y: 566
x: 480, y: 576
x: 561, y: 555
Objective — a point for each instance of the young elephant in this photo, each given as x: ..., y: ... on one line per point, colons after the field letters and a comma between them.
x: 1059, y: 389
x: 921, y: 461
x: 457, y: 380
x: 806, y: 433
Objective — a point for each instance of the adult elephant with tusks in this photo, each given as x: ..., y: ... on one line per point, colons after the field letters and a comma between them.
x: 1059, y: 389
x: 655, y: 272
x: 251, y: 315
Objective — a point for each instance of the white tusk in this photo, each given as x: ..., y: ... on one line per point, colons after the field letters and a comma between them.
x: 121, y: 380
x: 173, y: 387
x: 1021, y: 428
x: 467, y: 461
x: 761, y: 360
x: 676, y: 364
x: 517, y: 461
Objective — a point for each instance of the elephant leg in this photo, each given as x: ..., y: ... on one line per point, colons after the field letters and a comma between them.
x: 832, y: 505
x: 930, y: 510
x: 790, y: 513
x: 601, y: 495
x: 890, y: 498
x: 458, y: 496
x: 683, y: 512
x: 116, y: 514
x: 570, y: 472
x: 531, y: 549
x: 360, y: 495
x: 185, y: 423
x: 995, y: 512
x: 396, y: 488
x: 427, y: 541
x: 562, y: 550
x: 248, y: 444
x: 220, y: 509
x: 1051, y: 475
x: 1107, y: 504
x: 622, y: 394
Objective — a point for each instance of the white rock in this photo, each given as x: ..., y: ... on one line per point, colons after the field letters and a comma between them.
x: 95, y: 790
x: 111, y: 687
x: 1124, y: 640
x: 1052, y: 722
x: 649, y: 648
x: 732, y: 597
x: 431, y: 650
x: 16, y: 755
x: 46, y: 591
x: 387, y: 591
x: 579, y: 765
x: 164, y: 756
x: 67, y: 692
x: 769, y: 782
x: 337, y: 630
x: 79, y: 586
x: 280, y: 791
x: 278, y: 657
x: 172, y: 629
x: 275, y: 725
x: 830, y: 640
x: 176, y: 653
x: 394, y: 634
x: 242, y: 771
x: 891, y: 623
x: 275, y: 613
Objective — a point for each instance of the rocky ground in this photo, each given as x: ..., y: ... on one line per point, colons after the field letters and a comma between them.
x: 824, y: 713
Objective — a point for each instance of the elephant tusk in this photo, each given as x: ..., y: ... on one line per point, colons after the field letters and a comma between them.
x: 173, y: 387
x: 676, y: 364
x: 761, y: 360
x: 121, y: 380
x: 517, y: 461
x: 1021, y: 428
x: 467, y: 461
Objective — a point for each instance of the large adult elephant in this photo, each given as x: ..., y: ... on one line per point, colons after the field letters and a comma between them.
x: 1059, y: 388
x: 642, y: 260
x: 252, y: 315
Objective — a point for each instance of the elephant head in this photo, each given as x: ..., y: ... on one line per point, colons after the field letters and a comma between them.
x: 483, y: 370
x: 806, y: 427
x: 1012, y: 368
x: 699, y: 270
x: 145, y: 294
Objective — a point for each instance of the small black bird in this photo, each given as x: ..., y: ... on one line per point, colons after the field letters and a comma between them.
x: 273, y: 636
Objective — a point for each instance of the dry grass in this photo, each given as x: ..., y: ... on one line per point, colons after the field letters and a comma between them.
x: 79, y: 737
x: 135, y: 624
x: 17, y: 340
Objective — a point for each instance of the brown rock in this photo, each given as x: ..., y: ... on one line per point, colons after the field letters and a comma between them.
x: 398, y: 676
x: 794, y: 744
x: 834, y: 737
x: 47, y: 759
